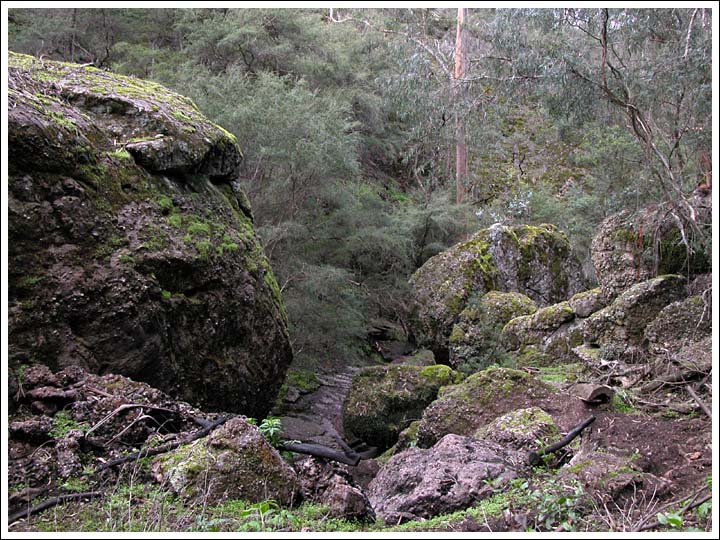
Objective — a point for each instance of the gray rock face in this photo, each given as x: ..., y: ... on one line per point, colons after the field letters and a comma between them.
x: 131, y: 247
x: 534, y: 261
x: 233, y: 462
x: 450, y: 476
x: 623, y: 322
x: 632, y: 247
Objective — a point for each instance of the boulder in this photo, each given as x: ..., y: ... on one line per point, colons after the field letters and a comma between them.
x: 520, y: 429
x: 603, y: 475
x: 679, y: 323
x: 634, y: 246
x: 233, y: 462
x: 623, y: 323
x: 384, y: 400
x: 474, y: 338
x: 131, y: 246
x: 478, y: 400
x: 328, y: 484
x: 586, y: 303
x: 545, y: 337
x: 534, y: 261
x: 452, y: 475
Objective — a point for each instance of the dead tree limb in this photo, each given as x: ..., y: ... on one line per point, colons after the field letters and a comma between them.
x: 535, y: 458
x: 318, y: 450
x: 146, y: 452
x: 49, y: 503
x: 699, y: 401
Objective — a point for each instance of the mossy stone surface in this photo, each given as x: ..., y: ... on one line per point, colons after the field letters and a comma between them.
x: 533, y: 260
x: 132, y: 248
x: 233, y: 462
x: 384, y: 400
x: 479, y: 399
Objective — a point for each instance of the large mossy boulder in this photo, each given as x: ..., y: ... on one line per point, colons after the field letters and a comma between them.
x: 522, y: 429
x: 475, y: 337
x: 634, y: 246
x: 544, y: 338
x: 452, y: 475
x: 533, y: 260
x: 131, y: 246
x: 233, y: 462
x: 384, y: 400
x: 622, y: 324
x: 464, y: 408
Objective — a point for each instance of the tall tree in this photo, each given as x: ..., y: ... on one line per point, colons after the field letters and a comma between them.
x: 459, y: 75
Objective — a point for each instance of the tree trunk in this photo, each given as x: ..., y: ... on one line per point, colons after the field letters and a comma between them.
x: 460, y: 146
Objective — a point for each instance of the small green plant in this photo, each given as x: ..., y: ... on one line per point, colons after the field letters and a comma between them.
x: 265, y: 516
x: 63, y: 423
x: 127, y: 259
x: 74, y: 484
x: 167, y: 295
x: 271, y: 427
x: 175, y: 220
x: 558, y: 507
x: 122, y: 154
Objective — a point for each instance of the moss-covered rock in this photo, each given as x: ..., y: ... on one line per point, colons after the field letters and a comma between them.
x: 680, y: 322
x: 533, y: 260
x: 423, y: 357
x: 623, y: 322
x: 634, y: 246
x: 131, y: 246
x: 384, y: 400
x: 586, y: 303
x: 522, y: 429
x: 233, y: 462
x: 474, y: 338
x: 544, y: 338
x: 479, y: 399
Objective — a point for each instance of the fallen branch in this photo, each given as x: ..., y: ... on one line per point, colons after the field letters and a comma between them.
x: 535, y: 458
x: 700, y: 402
x: 164, y: 448
x: 125, y: 407
x: 318, y: 450
x: 49, y: 503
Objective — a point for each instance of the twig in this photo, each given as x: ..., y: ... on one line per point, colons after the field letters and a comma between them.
x: 535, y: 458
x: 125, y: 407
x: 692, y: 504
x: 49, y: 503
x: 165, y: 448
x: 699, y: 402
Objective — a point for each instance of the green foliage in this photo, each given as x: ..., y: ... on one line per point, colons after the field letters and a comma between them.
x: 271, y: 427
x: 63, y: 423
x: 558, y: 506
